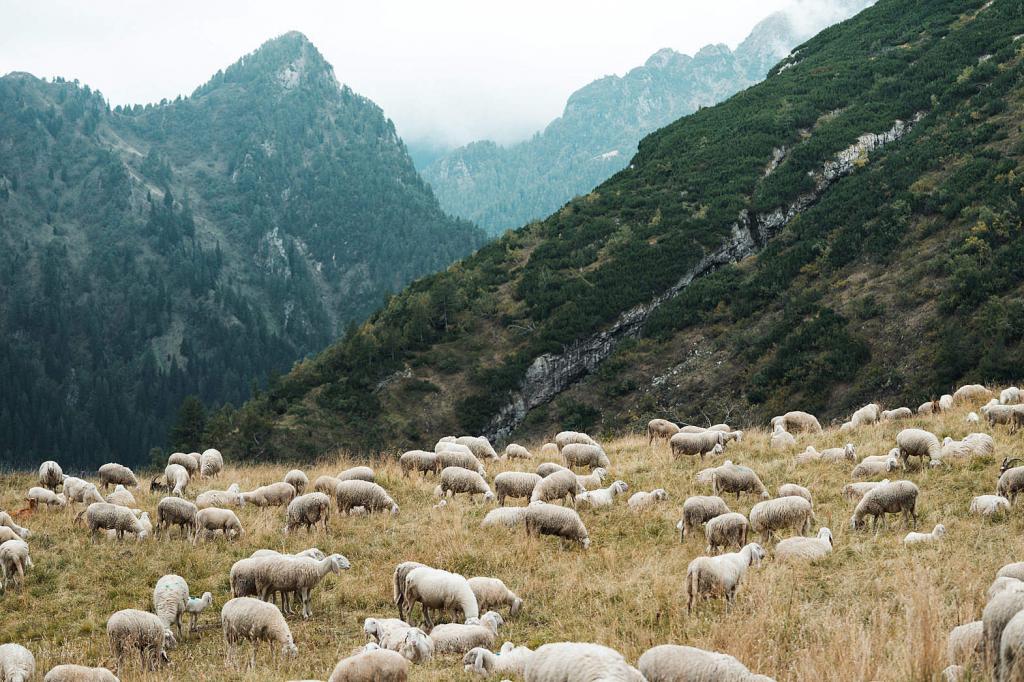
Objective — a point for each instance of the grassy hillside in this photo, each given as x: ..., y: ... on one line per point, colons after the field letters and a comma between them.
x: 871, y: 611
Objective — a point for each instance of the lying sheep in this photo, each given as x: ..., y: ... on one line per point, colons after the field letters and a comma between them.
x: 595, y: 479
x: 794, y: 490
x: 896, y: 497
x: 174, y: 511
x: 433, y: 588
x: 726, y: 530
x: 308, y: 510
x: 133, y: 630
x: 456, y: 480
x: 105, y: 516
x: 769, y: 517
x: 557, y: 486
x: 371, y: 665
x: 734, y: 478
x: 397, y: 635
x: 359, y: 473
x: 245, y: 618
x: 298, y: 480
x: 877, y: 465
x: 116, y: 474
x: 897, y: 414
x: 549, y: 519
x: 925, y: 538
x: 296, y: 575
x: 797, y: 422
x: 578, y: 455
x: 170, y: 598
x: 79, y: 673
x: 213, y: 519
x: 660, y: 429
x: 642, y: 501
x: 674, y: 663
x: 370, y: 496
x: 972, y: 445
x: 14, y: 562
x: 697, y: 510
x: 514, y: 484
x: 989, y: 505
x: 509, y: 660
x: 856, y: 491
x: 458, y: 638
x: 417, y: 460
x: 805, y: 549
x: 504, y: 517
x: 492, y: 593
x: 578, y: 662
x: 50, y: 475
x: 602, y: 497
x: 274, y: 495
x: 697, y: 443
x: 17, y: 664
x: 869, y: 414
x: 971, y: 393
x: 211, y: 463
x: 917, y: 443
x: 720, y: 575
x: 848, y: 453
x: 516, y: 451
x: 782, y: 439
x: 37, y: 496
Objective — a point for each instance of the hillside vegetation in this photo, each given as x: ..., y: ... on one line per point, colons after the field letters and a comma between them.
x: 872, y: 610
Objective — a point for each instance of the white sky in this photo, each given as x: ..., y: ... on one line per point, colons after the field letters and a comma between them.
x: 456, y: 70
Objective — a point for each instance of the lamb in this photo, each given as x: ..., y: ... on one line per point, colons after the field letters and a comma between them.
x: 971, y: 393
x: 794, y: 490
x: 782, y: 439
x: 402, y: 571
x: 50, y: 475
x: 195, y: 606
x: 466, y: 460
x: 121, y: 496
x: 504, y: 517
x: 174, y: 511
x: 578, y: 662
x: 847, y: 452
x: 642, y: 501
x: 478, y: 445
x: 189, y: 461
x: 300, y: 575
x: 810, y: 454
x: 771, y: 516
x: 545, y: 469
x: 699, y: 509
x: 973, y: 419
x: 1011, y: 482
x: 602, y: 497
x: 973, y: 445
x: 105, y: 516
x: 170, y: 598
x: 359, y: 473
x: 456, y: 480
x: 720, y: 574
x: 308, y: 510
x: 514, y: 484
x: 897, y: 414
x: 177, y: 478
x: 549, y: 519
x: 245, y: 618
x: 697, y: 443
x: 17, y: 664
x: 592, y: 480
x: 6, y: 520
x: 371, y: 665
x: 896, y: 497
x: 219, y: 498
x: 211, y: 463
x: 397, y: 635
x: 298, y: 480
x: 917, y: 443
x: 510, y: 659
x: 674, y: 663
x: 964, y: 643
x: 557, y: 486
x: 660, y: 429
x: 797, y: 422
x: 274, y: 495
x: 131, y: 629
x: 578, y: 455
x: 989, y: 505
x: 458, y: 638
x: 564, y: 438
x: 925, y: 538
x: 998, y: 612
x: 805, y: 549
x: 734, y: 478
x: 434, y: 588
x: 517, y: 451
x: 492, y: 593
x: 213, y: 519
x: 417, y: 460
x: 77, y: 490
x: 877, y: 465
x: 726, y: 530
x: 14, y: 561
x: 37, y: 496
x: 79, y: 673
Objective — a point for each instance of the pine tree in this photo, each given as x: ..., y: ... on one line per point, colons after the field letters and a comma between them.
x: 187, y: 432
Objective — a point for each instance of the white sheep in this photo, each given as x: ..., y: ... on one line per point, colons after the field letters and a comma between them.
x: 720, y: 574
x: 874, y: 466
x: 769, y: 517
x: 697, y: 443
x: 897, y: 414
x: 549, y: 450
x: 516, y: 451
x: 308, y: 510
x: 660, y: 429
x: 642, y: 501
x: 121, y: 496
x: 6, y: 520
x: 79, y: 673
x: 458, y: 638
x: 359, y: 493
x: 735, y: 478
x: 675, y: 663
x: 583, y: 455
x: 401, y: 571
x: 459, y: 458
x: 170, y: 598
x: 114, y: 474
x: 437, y: 589
x: 177, y: 478
x: 989, y: 505
x: 1011, y: 480
x: 595, y: 479
x: 417, y: 460
x: 174, y: 511
x: 797, y: 421
x: 925, y: 538
x: 869, y: 414
x: 42, y: 496
x: 213, y: 519
x: 726, y: 530
x: 211, y: 463
x: 17, y: 664
x: 371, y: 665
x: 972, y: 445
x: 972, y: 393
x: 397, y: 635
x: 564, y: 438
x: 998, y: 612
x: 195, y: 606
x: 105, y: 516
x: 492, y: 593
x: 578, y: 662
x: 918, y: 443
x: 514, y: 484
x: 964, y: 644
x: 895, y: 497
x: 479, y: 446
x: 133, y: 630
x: 1012, y: 570
x: 545, y: 469
x: 78, y: 490
x: 1010, y: 395
x: 973, y: 419
x: 805, y: 549
x: 190, y: 461
x: 510, y: 659
x: 298, y: 480
x: 219, y: 498
x: 456, y: 480
x: 559, y: 485
x: 504, y: 517
x: 50, y: 475
x: 781, y: 439
x: 856, y: 491
x: 298, y: 575
x: 697, y: 510
x: 794, y: 490
x: 245, y: 618
x: 1011, y: 650
x: 602, y: 497
x: 14, y: 561
x: 274, y: 495
x: 846, y: 453
x: 542, y: 518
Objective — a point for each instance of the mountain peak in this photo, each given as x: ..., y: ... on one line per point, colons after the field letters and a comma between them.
x: 661, y: 58
x: 288, y: 62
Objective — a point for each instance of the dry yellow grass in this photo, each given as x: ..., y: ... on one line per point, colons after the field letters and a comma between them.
x: 872, y: 611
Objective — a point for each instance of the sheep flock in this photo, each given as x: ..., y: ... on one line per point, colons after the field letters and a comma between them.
x: 881, y: 546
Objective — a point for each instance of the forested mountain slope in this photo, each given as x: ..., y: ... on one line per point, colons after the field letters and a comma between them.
x: 194, y: 246
x: 502, y: 187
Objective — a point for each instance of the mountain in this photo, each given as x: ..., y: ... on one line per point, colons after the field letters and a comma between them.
x: 848, y: 230
x: 191, y: 247
x: 505, y: 187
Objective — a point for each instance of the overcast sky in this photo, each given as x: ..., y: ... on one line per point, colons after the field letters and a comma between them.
x: 456, y: 70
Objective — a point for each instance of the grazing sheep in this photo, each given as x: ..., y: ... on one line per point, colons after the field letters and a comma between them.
x: 121, y: 496
x: 559, y: 485
x: 359, y: 473
x: 133, y: 630
x: 642, y: 501
x: 492, y: 593
x: 699, y: 509
x: 114, y: 474
x: 219, y: 498
x: 456, y: 480
x: 794, y: 490
x: 964, y: 644
x: 1009, y: 415
x: 6, y: 520
x: 308, y: 510
x: 37, y: 496
x: 726, y: 530
x: 245, y: 618
x: 402, y: 570
x: 998, y: 612
x: 327, y: 485
x: 174, y: 511
x: 734, y: 478
x: 549, y: 450
x: 444, y: 442
x: 298, y: 480
x: 17, y: 664
x: 274, y: 495
x: 930, y: 407
x: 662, y: 429
x: 697, y: 443
x: 720, y: 574
x: 592, y: 480
x: 211, y: 463
x: 213, y: 519
x: 925, y: 538
x: 8, y: 534
x: 897, y: 414
x: 516, y: 451
x: 564, y: 438
x: 510, y: 659
x: 145, y: 528
x: 972, y: 445
x: 602, y: 497
x: 455, y: 458
x: 896, y: 497
x: 989, y: 505
x: 77, y: 490
x: 433, y: 588
x: 105, y: 516
x: 504, y: 517
x: 797, y: 422
x: 458, y: 638
x: 479, y: 446
x: 416, y: 460
x: 579, y: 662
x: 14, y: 561
x: 805, y: 549
x: 971, y: 393
x: 545, y: 469
x: 856, y: 491
x: 50, y: 475
x: 177, y: 478
x: 298, y: 575
x: 877, y: 465
x: 771, y: 516
x: 79, y: 673
x: 674, y: 663
x: 195, y: 606
x: 1011, y: 481
x: 170, y: 598
x: 918, y: 443
x: 189, y: 461
x: 869, y: 414
x: 514, y: 484
x: 578, y: 455
x: 550, y: 519
x: 371, y: 665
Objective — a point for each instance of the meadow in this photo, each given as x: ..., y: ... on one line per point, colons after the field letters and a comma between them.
x: 873, y: 610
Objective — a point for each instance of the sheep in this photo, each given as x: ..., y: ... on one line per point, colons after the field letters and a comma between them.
x: 1012, y: 570
x: 771, y: 516
x: 357, y: 493
x: 478, y: 445
x: 492, y: 593
x: 602, y: 497
x: 78, y: 490
x: 972, y: 445
x: 734, y: 478
x: 466, y: 460
x: 578, y: 455
x: 675, y: 663
x: 456, y: 480
x: 564, y: 438
x: 219, y: 498
x: 14, y: 561
x: 195, y: 606
x: 359, y: 473
x: 189, y: 461
x: 402, y: 570
x: 917, y: 443
x: 6, y: 520
x: 876, y: 465
x: 971, y: 393
x: 174, y: 511
x: 592, y: 480
x: 896, y: 497
x: 964, y: 643
x: 416, y: 460
x: 559, y: 485
x: 720, y: 574
x: 79, y: 673
x: 516, y: 451
x: 897, y: 414
x: 1011, y: 481
x: 925, y: 538
x: 50, y: 475
x: 725, y: 530
x: 578, y: 662
x: 8, y: 534
x: 642, y: 501
x: 213, y: 519
x: 327, y: 485
x: 170, y: 598
x: 121, y: 496
x: 177, y: 478
x: 797, y: 422
x: 141, y: 532
x: 810, y: 454
x: 443, y: 442
x: 545, y: 469
x: 458, y: 638
x: 105, y: 516
x: 794, y: 490
x: 1000, y: 584
x: 697, y: 443
x: 989, y: 505
x: 847, y: 452
x: 298, y: 480
x: 274, y: 495
x: 37, y: 496
x: 437, y: 589
x: 549, y: 450
x: 660, y: 429
x: 549, y: 519
x: 805, y: 549
x: 1010, y: 396
x: 973, y: 419
x: 308, y: 510
x: 514, y: 484
x: 510, y: 659
x: 998, y: 612
x: 782, y: 439
x: 866, y: 415
x: 211, y: 463
x: 699, y: 509
x: 132, y: 629
x: 17, y: 664
x: 371, y: 665
x: 114, y: 474
x: 245, y: 618
x: 397, y: 635
x: 1011, y: 650
x: 286, y: 574
x: 504, y: 517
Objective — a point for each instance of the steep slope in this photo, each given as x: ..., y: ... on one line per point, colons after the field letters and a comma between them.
x: 152, y: 252
x: 850, y: 229
x: 505, y: 187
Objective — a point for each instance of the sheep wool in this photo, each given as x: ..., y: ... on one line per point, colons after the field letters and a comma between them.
x: 359, y: 473
x: 211, y: 463
x: 510, y: 659
x: 437, y: 589
x: 550, y: 519
x: 592, y: 480
x: 79, y: 673
x: 895, y: 497
x: 298, y: 480
x: 17, y: 664
x: 660, y: 429
x: 516, y: 451
x: 794, y: 490
x: 14, y: 561
x: 918, y: 443
x: 925, y: 538
x: 170, y: 597
x: 113, y: 474
x: 416, y: 460
x: 132, y: 630
x: 562, y: 484
x: 964, y: 643
x: 805, y: 549
x: 375, y: 665
x: 602, y: 497
x: 458, y: 480
x: 247, y: 619
x: 492, y: 593
x: 722, y: 574
x: 458, y: 638
x: 515, y: 485
x: 734, y: 478
x: 769, y: 517
x: 697, y: 443
x: 674, y: 663
x: 725, y: 531
x: 585, y: 455
x: 174, y: 511
x: 504, y: 517
x: 50, y: 475
x: 579, y: 662
x: 274, y: 495
x: 699, y: 509
x: 989, y: 505
x: 642, y: 501
x: 307, y: 511
x: 213, y: 519
x: 370, y: 496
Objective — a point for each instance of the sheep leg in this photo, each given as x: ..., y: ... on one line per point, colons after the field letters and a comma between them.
x: 426, y: 617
